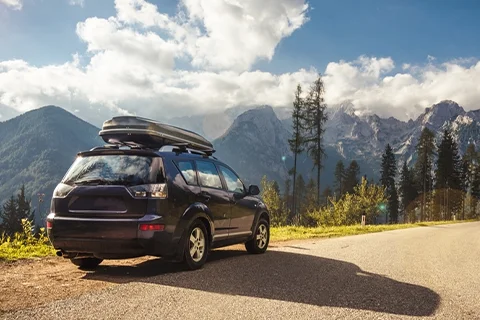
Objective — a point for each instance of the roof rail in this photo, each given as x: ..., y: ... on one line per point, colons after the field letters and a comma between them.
x: 182, y: 147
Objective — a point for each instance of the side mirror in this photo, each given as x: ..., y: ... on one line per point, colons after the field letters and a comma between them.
x: 253, y: 190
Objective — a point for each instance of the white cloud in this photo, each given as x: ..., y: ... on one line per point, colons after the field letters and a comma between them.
x: 80, y: 3
x: 403, y: 95
x: 13, y: 4
x: 142, y: 61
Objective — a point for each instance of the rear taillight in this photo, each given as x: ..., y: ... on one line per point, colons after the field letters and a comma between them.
x: 151, y: 227
x: 158, y: 191
x: 49, y: 224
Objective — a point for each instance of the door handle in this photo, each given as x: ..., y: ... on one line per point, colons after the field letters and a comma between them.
x: 205, y: 196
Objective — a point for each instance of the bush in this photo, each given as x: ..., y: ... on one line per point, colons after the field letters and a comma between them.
x: 25, y: 244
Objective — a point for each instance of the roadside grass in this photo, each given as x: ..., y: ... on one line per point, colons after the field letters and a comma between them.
x: 11, y: 251
x: 297, y: 233
x: 24, y: 245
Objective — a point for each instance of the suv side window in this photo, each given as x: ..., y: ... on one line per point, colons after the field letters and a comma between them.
x: 208, y: 175
x: 188, y: 171
x: 234, y: 184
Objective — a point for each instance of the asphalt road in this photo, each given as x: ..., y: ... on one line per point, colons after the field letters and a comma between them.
x: 428, y: 272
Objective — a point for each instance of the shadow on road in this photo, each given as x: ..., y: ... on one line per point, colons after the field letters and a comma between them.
x: 283, y: 276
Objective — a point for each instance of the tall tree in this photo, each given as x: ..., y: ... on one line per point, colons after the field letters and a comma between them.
x: 327, y: 193
x: 351, y: 176
x: 423, y: 167
x: 311, y: 202
x: 475, y: 191
x: 11, y: 220
x: 448, y: 176
x: 339, y: 179
x: 287, y: 199
x: 388, y: 173
x: 314, y: 120
x: 407, y: 190
x: 469, y: 161
x: 296, y: 142
x: 301, y: 191
x: 276, y: 187
x: 23, y: 206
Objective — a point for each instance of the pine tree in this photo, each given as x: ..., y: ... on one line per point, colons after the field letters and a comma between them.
x: 327, y: 193
x: 11, y: 221
x: 296, y: 143
x: 469, y: 161
x: 314, y: 122
x: 339, y: 179
x: 448, y: 176
x: 301, y: 191
x: 423, y: 168
x: 351, y: 177
x: 475, y: 191
x: 407, y: 191
x: 388, y: 173
x: 23, y: 205
x: 286, y: 196
x: 311, y: 196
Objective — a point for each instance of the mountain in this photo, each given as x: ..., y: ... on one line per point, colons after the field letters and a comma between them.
x: 213, y: 125
x: 365, y: 136
x: 38, y: 147
x: 257, y: 144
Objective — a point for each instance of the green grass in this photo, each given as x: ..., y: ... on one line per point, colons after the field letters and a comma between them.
x: 298, y: 233
x: 10, y: 251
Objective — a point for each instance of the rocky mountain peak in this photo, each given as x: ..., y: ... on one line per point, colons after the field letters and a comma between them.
x: 438, y: 114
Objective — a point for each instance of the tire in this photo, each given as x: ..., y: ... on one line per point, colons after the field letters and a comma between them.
x: 87, y: 263
x: 256, y: 246
x: 196, y: 245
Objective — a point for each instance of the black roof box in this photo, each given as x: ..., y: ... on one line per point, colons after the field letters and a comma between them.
x: 150, y: 134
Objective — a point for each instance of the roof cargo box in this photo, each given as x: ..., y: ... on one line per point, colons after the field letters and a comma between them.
x: 151, y: 134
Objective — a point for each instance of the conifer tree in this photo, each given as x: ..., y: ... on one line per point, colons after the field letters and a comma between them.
x: 388, y: 172
x: 296, y: 143
x: 351, y: 176
x: 314, y: 122
x: 11, y: 220
x: 425, y: 150
x: 448, y: 176
x: 339, y: 179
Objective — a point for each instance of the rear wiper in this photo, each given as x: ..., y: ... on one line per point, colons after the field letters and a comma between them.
x: 92, y: 181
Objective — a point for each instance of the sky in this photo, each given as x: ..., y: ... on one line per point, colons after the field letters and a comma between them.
x: 169, y: 58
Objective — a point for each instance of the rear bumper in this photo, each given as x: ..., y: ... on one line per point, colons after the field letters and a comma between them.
x: 111, y: 238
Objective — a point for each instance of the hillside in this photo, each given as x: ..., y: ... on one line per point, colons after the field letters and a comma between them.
x: 37, y: 148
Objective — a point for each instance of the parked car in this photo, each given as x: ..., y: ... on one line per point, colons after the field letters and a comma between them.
x: 119, y: 201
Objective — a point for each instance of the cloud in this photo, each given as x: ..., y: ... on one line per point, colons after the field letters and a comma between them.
x: 132, y: 56
x: 372, y: 87
x: 145, y: 62
x: 80, y: 3
x: 13, y: 4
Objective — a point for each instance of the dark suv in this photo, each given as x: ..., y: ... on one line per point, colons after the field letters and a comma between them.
x: 177, y: 203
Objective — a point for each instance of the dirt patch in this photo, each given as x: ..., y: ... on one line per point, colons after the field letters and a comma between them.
x: 33, y: 282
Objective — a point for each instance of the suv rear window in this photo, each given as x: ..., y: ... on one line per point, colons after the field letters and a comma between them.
x: 128, y: 170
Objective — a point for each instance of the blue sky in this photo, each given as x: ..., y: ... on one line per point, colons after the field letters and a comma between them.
x: 390, y: 57
x: 406, y: 30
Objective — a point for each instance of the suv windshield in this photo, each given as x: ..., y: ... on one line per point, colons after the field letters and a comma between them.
x: 128, y: 170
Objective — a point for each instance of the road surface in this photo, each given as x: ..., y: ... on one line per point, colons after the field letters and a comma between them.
x: 427, y: 272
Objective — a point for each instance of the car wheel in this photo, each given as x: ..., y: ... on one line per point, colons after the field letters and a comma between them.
x: 87, y: 263
x: 196, y: 245
x: 259, y: 243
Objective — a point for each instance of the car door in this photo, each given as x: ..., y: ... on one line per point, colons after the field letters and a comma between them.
x: 215, y: 197
x: 243, y: 206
